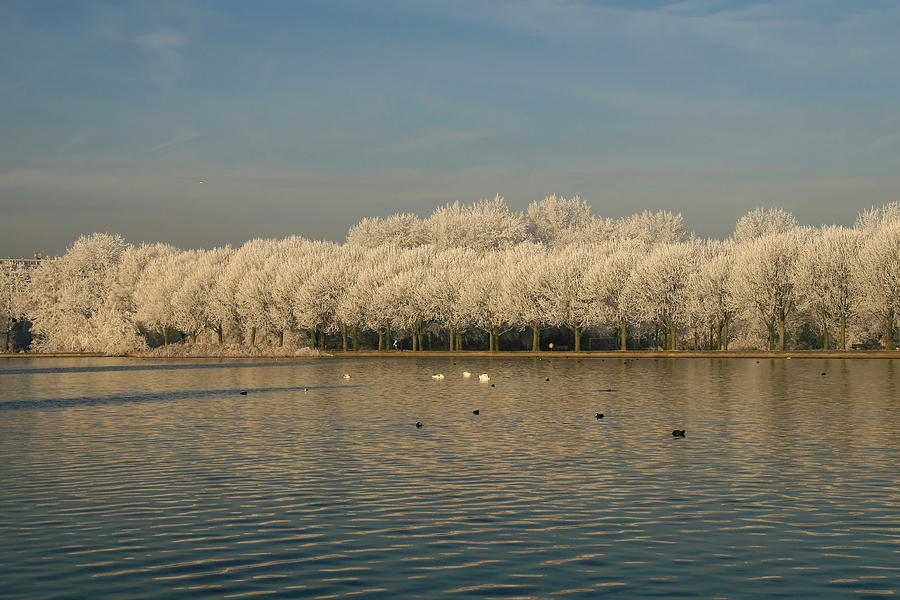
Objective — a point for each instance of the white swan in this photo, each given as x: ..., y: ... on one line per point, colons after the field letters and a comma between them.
x: 346, y: 375
x: 466, y: 374
x: 484, y: 377
x: 438, y: 376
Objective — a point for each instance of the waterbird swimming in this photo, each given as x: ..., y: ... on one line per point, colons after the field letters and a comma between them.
x: 243, y: 393
x: 466, y: 374
x: 438, y: 376
x: 476, y: 412
x: 599, y: 415
x: 419, y: 424
x: 484, y: 377
x: 678, y: 432
x: 346, y: 375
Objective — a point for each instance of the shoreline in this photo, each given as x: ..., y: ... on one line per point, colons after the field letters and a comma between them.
x: 585, y: 354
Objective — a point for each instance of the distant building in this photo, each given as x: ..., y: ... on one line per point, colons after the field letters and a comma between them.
x: 10, y: 262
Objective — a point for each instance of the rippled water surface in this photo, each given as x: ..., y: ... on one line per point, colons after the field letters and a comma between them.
x: 139, y: 479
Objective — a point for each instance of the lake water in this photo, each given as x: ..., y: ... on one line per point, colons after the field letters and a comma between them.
x: 138, y: 479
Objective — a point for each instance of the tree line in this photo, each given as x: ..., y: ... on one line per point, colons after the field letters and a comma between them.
x: 470, y: 276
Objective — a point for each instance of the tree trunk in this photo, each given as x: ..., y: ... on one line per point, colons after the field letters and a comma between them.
x: 387, y: 337
x: 771, y: 327
x: 535, y: 336
x: 843, y: 332
x: 671, y: 329
x: 781, y: 332
x: 576, y: 331
x: 344, y: 344
x: 281, y: 338
x: 623, y: 335
x: 494, y: 339
x: 355, y: 338
x: 826, y: 338
x: 165, y: 336
x: 459, y: 341
x: 725, y: 334
x: 889, y: 330
x: 321, y: 338
x: 380, y: 339
x: 220, y: 333
x: 450, y: 338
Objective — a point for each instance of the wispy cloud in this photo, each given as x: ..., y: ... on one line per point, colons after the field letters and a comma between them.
x: 773, y: 35
x: 163, y: 42
x: 180, y: 136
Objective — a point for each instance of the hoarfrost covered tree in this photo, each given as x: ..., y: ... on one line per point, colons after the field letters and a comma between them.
x: 373, y: 286
x: 571, y: 303
x: 353, y: 304
x: 192, y: 309
x: 253, y: 292
x: 765, y: 280
x: 661, y: 227
x: 13, y: 290
x: 527, y: 286
x: 340, y: 272
x: 68, y: 300
x: 155, y: 291
x: 317, y: 300
x: 607, y: 282
x: 360, y: 298
x: 825, y: 279
x: 871, y: 219
x: 403, y: 230
x: 288, y: 269
x: 129, y: 271
x: 762, y: 222
x: 411, y: 310
x: 556, y: 222
x: 482, y: 297
x: 877, y: 277
x: 222, y: 303
x: 658, y: 291
x: 482, y: 226
x: 450, y: 268
x: 715, y: 301
x: 294, y: 304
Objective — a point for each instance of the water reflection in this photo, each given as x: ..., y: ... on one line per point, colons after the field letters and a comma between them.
x: 160, y: 482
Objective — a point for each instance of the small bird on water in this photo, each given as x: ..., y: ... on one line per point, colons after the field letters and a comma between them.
x: 419, y: 424
x: 243, y: 393
x: 599, y: 415
x: 678, y: 432
x: 346, y: 375
x: 476, y: 412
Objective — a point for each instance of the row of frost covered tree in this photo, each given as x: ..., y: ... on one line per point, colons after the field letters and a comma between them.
x: 480, y: 277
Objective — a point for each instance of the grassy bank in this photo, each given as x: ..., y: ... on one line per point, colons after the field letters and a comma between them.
x: 851, y: 354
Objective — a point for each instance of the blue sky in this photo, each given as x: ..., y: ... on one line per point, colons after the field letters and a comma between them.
x: 206, y: 123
